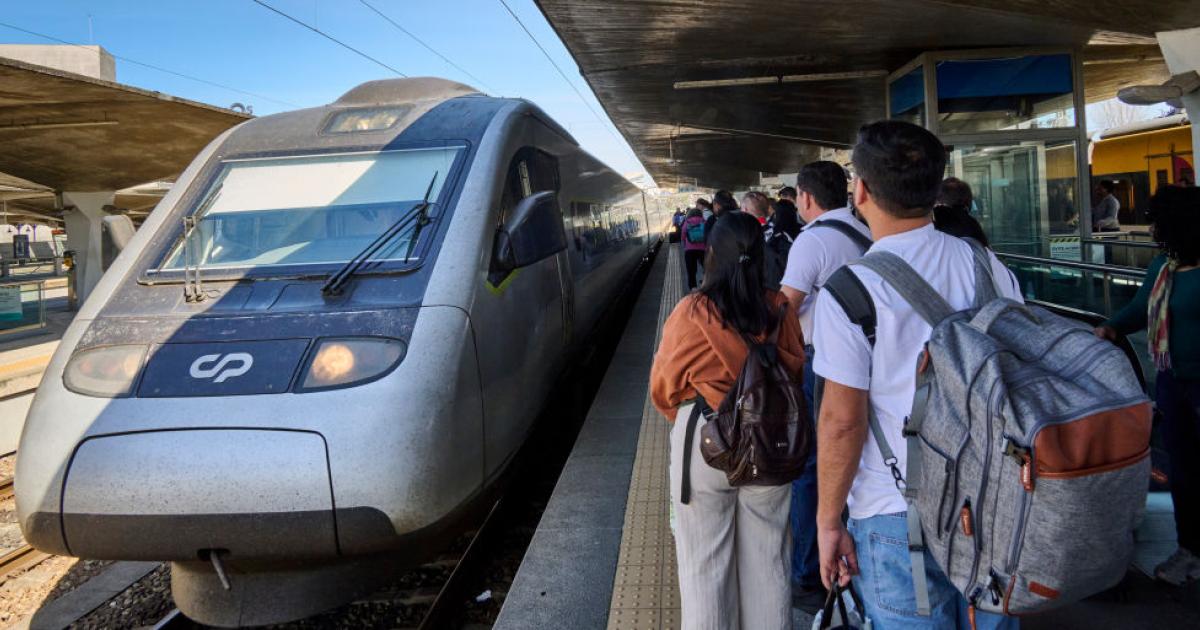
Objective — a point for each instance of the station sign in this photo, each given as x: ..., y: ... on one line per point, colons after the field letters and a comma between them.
x: 10, y: 303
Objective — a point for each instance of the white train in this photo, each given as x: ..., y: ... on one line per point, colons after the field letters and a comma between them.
x: 325, y: 345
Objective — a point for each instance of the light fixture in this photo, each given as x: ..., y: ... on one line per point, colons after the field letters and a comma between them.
x: 788, y: 78
x: 351, y: 361
x: 105, y: 371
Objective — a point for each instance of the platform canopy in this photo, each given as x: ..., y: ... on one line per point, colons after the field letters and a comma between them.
x: 63, y: 131
x: 712, y: 92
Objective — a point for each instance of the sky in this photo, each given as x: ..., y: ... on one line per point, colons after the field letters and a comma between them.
x: 242, y: 45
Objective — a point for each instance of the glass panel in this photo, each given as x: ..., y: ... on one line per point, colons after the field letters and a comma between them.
x: 311, y: 209
x: 22, y: 307
x: 1063, y: 211
x: 1012, y: 198
x: 907, y: 96
x: 366, y: 119
x: 1032, y: 92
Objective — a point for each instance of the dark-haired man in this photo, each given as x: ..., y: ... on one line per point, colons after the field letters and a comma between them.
x: 898, y: 167
x: 787, y: 197
x: 722, y: 202
x: 831, y: 238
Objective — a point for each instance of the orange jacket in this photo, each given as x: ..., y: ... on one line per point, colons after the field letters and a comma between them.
x: 697, y: 354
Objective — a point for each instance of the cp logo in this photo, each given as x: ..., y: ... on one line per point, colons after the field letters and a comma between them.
x: 226, y: 366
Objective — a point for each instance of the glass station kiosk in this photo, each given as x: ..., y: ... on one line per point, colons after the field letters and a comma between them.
x: 1013, y: 122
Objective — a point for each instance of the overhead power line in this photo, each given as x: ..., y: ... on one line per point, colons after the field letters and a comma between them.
x: 427, y: 46
x: 328, y: 36
x: 560, y: 71
x: 152, y: 66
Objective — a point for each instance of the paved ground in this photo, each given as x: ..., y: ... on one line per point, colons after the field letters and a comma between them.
x: 23, y: 358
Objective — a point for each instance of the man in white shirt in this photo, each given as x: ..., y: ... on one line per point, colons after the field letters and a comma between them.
x: 831, y: 237
x: 898, y: 166
x: 1104, y: 215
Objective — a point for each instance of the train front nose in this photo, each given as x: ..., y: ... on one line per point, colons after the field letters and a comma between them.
x: 169, y: 495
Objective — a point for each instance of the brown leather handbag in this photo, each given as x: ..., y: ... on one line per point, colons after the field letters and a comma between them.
x: 762, y: 433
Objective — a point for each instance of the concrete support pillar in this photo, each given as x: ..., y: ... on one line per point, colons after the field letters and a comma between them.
x: 1181, y: 51
x: 83, y: 213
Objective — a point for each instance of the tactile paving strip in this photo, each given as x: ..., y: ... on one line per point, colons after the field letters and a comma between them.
x: 646, y: 588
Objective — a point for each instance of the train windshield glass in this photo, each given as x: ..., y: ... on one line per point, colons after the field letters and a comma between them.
x: 309, y: 210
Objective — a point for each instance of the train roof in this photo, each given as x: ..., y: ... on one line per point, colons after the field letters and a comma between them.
x: 1154, y: 124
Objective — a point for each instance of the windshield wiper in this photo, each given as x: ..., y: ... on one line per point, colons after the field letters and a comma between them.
x: 333, y: 285
x: 193, y: 290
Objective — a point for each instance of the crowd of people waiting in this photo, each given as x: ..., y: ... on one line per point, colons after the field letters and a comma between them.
x: 748, y: 554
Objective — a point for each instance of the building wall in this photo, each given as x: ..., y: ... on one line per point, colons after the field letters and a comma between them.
x: 90, y: 61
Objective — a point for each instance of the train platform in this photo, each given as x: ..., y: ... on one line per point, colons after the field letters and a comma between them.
x: 603, y: 555
x: 23, y: 359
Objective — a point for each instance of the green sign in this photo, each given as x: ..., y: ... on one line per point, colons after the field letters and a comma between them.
x: 10, y: 304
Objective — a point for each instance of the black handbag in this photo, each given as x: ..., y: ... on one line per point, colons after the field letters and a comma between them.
x: 845, y: 622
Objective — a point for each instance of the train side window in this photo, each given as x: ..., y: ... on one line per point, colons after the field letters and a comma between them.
x: 531, y: 171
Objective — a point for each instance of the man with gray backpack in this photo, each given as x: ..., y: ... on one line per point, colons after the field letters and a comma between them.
x: 993, y: 456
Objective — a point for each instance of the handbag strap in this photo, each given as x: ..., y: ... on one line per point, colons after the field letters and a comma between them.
x: 827, y: 609
x: 833, y: 597
x: 685, y: 484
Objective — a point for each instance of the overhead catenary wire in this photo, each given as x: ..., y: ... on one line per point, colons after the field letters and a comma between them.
x: 560, y: 70
x: 328, y: 36
x: 422, y: 43
x: 152, y: 66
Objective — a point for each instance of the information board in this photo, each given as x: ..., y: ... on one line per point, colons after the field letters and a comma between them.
x: 21, y: 246
x: 10, y: 303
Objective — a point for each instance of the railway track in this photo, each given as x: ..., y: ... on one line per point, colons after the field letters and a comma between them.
x: 22, y: 557
x: 444, y: 600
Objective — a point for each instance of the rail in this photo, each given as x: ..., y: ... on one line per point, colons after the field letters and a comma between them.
x: 1117, y: 243
x: 1113, y: 270
x: 1106, y: 272
x: 24, y: 556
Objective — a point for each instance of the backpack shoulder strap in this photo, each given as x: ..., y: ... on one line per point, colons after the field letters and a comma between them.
x: 848, y: 290
x: 859, y: 238
x: 926, y: 301
x: 852, y: 296
x: 985, y: 283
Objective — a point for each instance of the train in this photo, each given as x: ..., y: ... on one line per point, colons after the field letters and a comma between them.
x: 323, y: 348
x: 1140, y: 157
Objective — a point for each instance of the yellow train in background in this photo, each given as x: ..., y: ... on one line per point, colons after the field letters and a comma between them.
x: 1142, y: 156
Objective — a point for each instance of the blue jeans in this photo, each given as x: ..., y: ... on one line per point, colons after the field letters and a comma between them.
x: 885, y: 582
x: 806, y: 562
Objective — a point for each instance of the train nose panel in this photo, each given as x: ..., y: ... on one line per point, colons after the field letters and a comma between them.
x: 166, y: 495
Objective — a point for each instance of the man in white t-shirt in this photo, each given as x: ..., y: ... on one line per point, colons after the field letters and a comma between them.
x: 898, y: 167
x: 831, y: 237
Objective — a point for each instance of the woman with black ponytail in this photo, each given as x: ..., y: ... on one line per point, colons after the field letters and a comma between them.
x: 732, y: 543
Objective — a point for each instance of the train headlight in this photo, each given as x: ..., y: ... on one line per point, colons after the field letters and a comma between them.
x: 107, y: 371
x: 351, y: 361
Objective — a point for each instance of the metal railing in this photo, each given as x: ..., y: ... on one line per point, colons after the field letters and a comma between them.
x: 22, y: 306
x: 1106, y: 272
x: 1119, y: 243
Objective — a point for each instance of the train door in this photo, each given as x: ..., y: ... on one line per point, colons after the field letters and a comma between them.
x: 538, y: 171
x: 526, y: 321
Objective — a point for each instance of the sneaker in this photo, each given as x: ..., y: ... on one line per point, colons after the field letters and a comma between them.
x: 1183, y: 566
x: 808, y: 599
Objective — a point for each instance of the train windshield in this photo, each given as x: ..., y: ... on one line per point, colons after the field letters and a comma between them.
x: 309, y: 210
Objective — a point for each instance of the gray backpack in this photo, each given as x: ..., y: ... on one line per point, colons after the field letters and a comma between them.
x: 1028, y: 445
